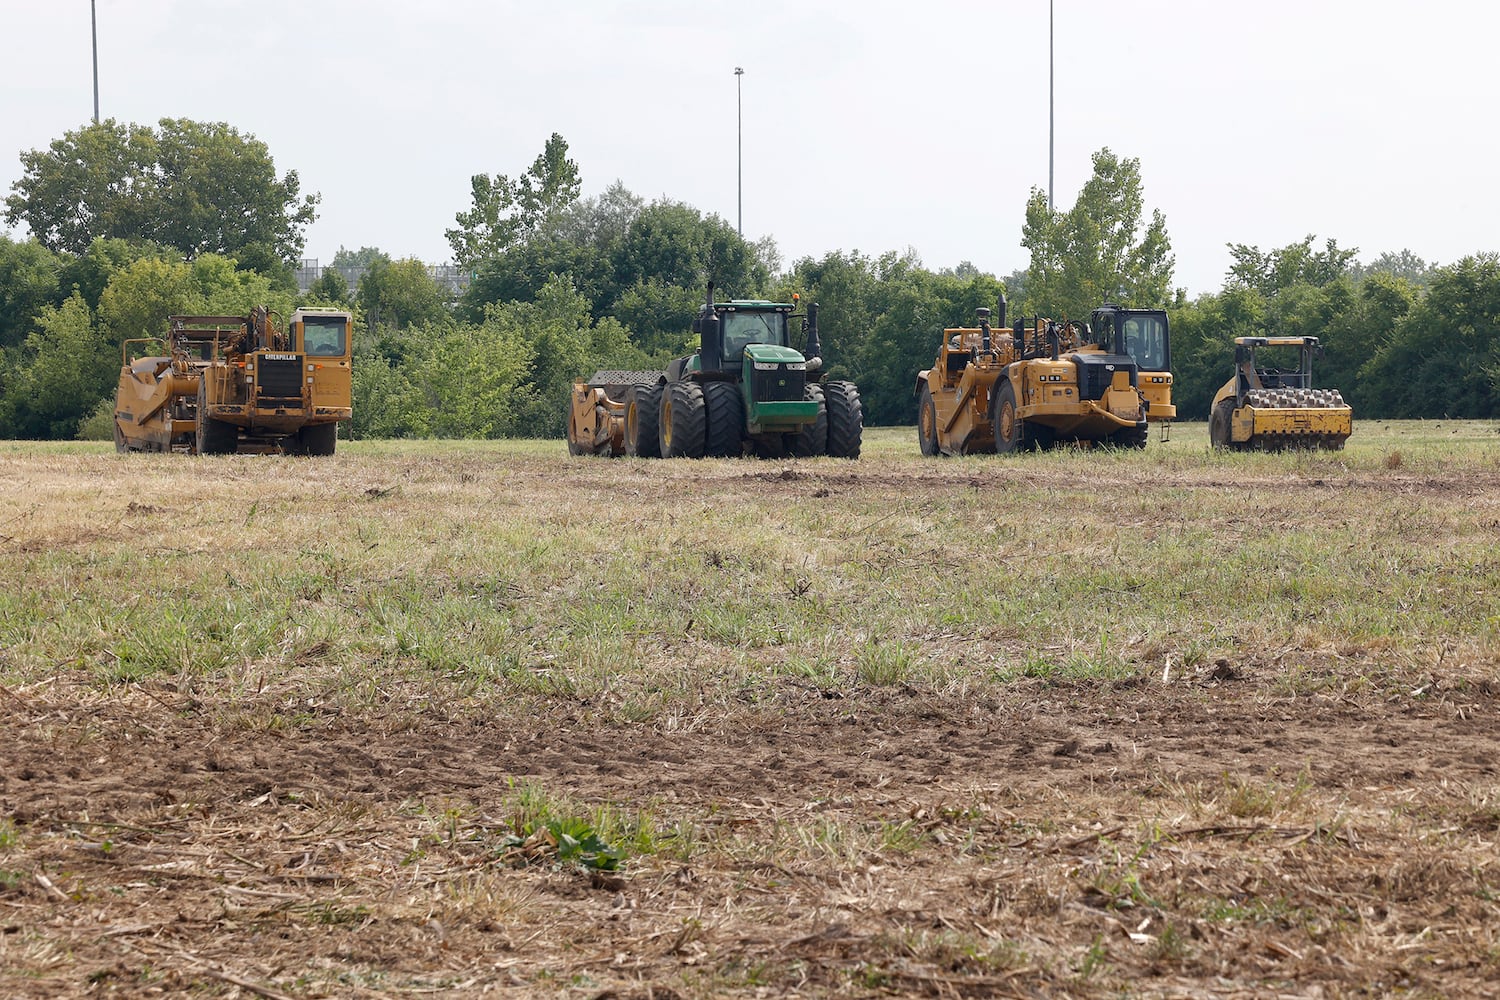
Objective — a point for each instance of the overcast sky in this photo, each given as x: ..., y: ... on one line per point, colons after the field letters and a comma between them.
x: 869, y: 126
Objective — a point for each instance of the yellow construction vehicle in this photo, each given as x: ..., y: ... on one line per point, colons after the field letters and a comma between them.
x: 1044, y: 382
x: 235, y: 383
x: 1269, y: 408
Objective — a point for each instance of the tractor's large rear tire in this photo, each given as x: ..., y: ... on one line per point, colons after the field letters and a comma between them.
x: 1007, y: 424
x: 927, y: 432
x: 215, y: 437
x: 642, y: 410
x: 683, y: 422
x: 726, y: 420
x: 1218, y: 424
x: 812, y: 441
x: 846, y: 419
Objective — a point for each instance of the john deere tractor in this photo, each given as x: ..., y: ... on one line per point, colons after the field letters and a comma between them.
x: 745, y: 389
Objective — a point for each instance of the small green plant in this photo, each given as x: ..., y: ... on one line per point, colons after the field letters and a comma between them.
x: 884, y: 664
x: 1096, y: 959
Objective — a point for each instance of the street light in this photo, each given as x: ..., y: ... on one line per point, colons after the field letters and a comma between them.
x: 1051, y: 113
x: 740, y: 143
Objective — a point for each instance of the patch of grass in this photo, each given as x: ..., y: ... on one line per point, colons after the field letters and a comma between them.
x: 883, y: 664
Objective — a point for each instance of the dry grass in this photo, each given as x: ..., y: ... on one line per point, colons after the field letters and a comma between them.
x: 1169, y: 723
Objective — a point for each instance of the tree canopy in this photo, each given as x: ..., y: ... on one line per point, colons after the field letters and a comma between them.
x: 505, y: 212
x: 197, y: 187
x: 1097, y: 251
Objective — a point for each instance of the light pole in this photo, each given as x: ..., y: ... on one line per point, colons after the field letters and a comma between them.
x: 739, y: 101
x: 1051, y: 113
x: 94, y: 26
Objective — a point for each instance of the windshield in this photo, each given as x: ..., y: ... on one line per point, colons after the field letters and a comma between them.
x: 741, y: 328
x: 323, y: 336
x: 1146, y: 342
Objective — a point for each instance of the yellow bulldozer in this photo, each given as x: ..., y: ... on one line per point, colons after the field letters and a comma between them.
x: 222, y: 384
x: 1042, y: 383
x: 1268, y: 408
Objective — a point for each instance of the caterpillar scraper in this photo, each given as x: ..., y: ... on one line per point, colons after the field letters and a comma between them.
x: 1267, y: 408
x: 1042, y: 383
x: 745, y: 390
x: 221, y: 384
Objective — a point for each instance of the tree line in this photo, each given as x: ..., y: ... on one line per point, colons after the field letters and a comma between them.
x: 130, y: 224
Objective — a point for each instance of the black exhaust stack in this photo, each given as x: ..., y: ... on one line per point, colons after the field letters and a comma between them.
x: 814, y: 352
x: 709, y: 355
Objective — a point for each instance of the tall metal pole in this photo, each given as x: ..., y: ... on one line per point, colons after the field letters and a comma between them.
x: 1051, y: 112
x: 94, y: 25
x: 740, y: 141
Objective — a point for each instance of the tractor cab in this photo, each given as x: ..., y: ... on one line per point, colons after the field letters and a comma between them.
x: 726, y: 329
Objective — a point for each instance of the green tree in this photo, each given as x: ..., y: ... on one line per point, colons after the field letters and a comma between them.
x: 331, y: 288
x: 1443, y: 358
x: 141, y: 295
x: 91, y: 271
x: 1097, y: 251
x: 564, y: 343
x: 200, y: 188
x: 29, y: 280
x: 399, y: 294
x: 1295, y: 264
x: 61, y: 372
x: 1399, y: 264
x: 505, y: 212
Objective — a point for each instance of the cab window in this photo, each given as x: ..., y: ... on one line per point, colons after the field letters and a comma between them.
x: 323, y: 336
x: 751, y: 328
x: 1146, y: 342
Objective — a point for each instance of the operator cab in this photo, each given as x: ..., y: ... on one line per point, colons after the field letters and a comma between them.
x: 732, y: 326
x: 1140, y: 333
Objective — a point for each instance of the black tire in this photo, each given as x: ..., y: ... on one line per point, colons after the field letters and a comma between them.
x: 1131, y: 437
x: 1007, y: 424
x: 682, y: 428
x: 1038, y: 437
x: 215, y: 437
x: 846, y: 419
x: 725, y: 414
x: 319, y: 439
x: 813, y: 440
x: 927, y: 432
x: 1218, y: 424
x: 642, y: 409
x: 574, y: 448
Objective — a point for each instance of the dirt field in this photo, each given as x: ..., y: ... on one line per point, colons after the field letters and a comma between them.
x: 1210, y: 799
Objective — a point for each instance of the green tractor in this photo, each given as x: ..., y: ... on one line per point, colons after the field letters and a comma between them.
x: 745, y: 389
